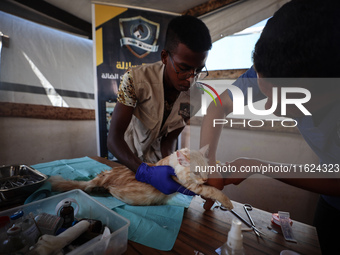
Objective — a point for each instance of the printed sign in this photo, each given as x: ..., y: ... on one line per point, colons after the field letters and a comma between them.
x: 124, y: 38
x: 139, y: 35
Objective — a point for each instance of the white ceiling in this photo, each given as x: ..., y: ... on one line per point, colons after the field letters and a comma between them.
x: 82, y: 8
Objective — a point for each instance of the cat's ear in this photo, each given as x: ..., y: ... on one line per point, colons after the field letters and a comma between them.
x: 204, y: 150
x: 182, y: 160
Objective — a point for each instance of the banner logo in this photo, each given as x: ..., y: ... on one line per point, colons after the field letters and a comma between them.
x: 212, y: 89
x: 203, y: 99
x: 139, y: 35
x: 239, y: 101
x: 286, y: 95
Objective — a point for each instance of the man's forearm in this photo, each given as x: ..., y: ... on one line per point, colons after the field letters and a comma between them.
x: 122, y: 152
x: 210, y: 134
x: 169, y: 142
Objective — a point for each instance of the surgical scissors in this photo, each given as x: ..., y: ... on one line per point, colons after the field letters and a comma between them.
x: 246, y: 222
x: 251, y: 225
x: 247, y: 208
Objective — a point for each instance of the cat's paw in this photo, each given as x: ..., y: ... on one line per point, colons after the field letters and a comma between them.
x: 227, y: 203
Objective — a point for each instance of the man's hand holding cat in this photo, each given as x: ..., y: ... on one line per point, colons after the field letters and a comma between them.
x: 161, y: 178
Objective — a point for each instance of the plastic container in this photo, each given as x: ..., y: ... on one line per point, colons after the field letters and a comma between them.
x: 276, y: 220
x: 114, y: 243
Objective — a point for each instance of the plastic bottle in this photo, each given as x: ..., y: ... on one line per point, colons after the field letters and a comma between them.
x: 30, y: 230
x: 234, y: 244
x: 15, y: 243
x: 67, y: 213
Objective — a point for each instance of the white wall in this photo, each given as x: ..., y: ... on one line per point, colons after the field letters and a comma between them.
x: 31, y: 141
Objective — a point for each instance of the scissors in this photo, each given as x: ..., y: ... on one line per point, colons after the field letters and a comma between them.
x: 251, y: 225
x: 247, y: 223
x: 247, y: 208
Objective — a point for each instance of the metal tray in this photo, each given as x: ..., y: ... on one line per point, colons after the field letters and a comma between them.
x: 18, y: 182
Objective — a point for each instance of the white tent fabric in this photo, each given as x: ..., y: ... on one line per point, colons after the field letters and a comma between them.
x: 49, y: 67
x: 239, y: 16
x: 225, y: 21
x: 45, y: 66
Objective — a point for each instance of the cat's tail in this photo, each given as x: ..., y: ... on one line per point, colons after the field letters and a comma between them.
x: 58, y: 183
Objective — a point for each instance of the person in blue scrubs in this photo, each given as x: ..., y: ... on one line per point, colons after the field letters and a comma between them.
x: 298, y: 48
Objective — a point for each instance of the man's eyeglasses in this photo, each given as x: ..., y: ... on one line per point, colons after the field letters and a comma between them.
x: 183, y: 75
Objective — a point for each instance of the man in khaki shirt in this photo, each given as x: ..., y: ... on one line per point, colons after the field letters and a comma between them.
x: 154, y: 104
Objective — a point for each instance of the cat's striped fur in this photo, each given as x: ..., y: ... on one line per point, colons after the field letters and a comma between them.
x: 121, y: 182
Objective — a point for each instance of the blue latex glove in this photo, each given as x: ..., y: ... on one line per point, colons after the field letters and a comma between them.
x: 160, y: 178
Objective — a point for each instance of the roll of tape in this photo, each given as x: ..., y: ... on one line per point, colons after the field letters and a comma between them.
x: 60, y: 205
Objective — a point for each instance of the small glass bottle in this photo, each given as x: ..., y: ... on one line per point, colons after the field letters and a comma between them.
x: 67, y: 213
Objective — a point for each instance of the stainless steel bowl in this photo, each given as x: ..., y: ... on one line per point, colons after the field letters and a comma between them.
x: 17, y: 182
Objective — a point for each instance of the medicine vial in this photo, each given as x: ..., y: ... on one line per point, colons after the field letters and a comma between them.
x: 67, y: 213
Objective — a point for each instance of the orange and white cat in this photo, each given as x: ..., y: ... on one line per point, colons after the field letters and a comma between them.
x: 121, y: 183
